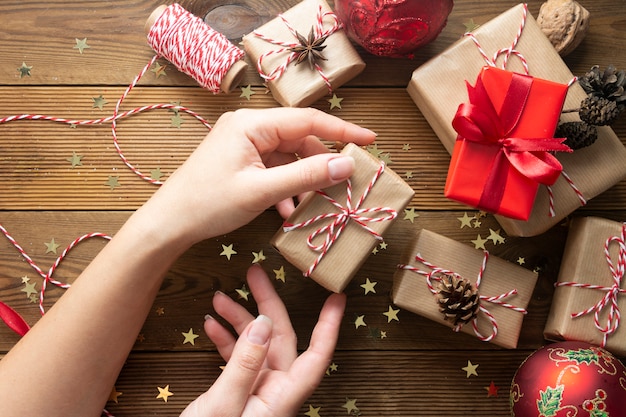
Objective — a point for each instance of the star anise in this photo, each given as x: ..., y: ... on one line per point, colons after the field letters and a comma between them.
x: 309, y: 49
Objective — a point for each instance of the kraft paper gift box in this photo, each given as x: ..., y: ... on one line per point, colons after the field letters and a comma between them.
x: 300, y: 85
x: 438, y: 88
x: 430, y: 252
x: 372, y: 212
x: 526, y: 111
x: 585, y: 285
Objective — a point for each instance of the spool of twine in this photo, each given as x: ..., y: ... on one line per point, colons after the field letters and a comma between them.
x: 195, y: 48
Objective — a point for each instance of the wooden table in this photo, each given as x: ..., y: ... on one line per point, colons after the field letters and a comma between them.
x: 48, y: 198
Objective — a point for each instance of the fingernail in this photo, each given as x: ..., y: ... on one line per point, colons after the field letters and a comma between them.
x: 208, y: 317
x: 260, y: 331
x: 341, y: 167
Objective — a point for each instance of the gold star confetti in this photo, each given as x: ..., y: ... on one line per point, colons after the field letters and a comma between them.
x: 81, y: 45
x: 521, y: 260
x: 29, y: 289
x: 75, y: 160
x: 190, y: 337
x: 313, y: 411
x: 51, y: 246
x: 25, y: 279
x: 375, y: 250
x: 24, y: 70
x: 479, y: 242
x: 477, y: 223
x: 279, y: 274
x: 176, y: 107
x: 335, y: 102
x: 470, y: 369
x: 247, y: 92
x: 160, y: 311
x: 34, y: 298
x: 466, y: 220
x: 392, y: 314
x: 492, y: 390
x: 228, y: 251
x: 495, y: 237
x: 374, y: 151
x: 369, y: 286
x: 410, y: 214
x: 350, y: 406
x: 99, y: 102
x: 159, y: 70
x: 383, y: 245
x: 406, y: 147
x: 470, y: 26
x: 141, y: 337
x: 383, y: 334
x: 386, y: 158
x: 164, y: 393
x: 408, y: 175
x: 177, y: 120
x: 156, y: 174
x: 114, y: 395
x: 243, y: 292
x: 258, y: 257
x: 332, y: 368
x: 481, y: 213
x: 360, y: 321
x: 113, y: 182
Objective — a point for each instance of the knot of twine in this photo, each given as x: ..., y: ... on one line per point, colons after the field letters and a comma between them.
x: 506, y: 53
x: 611, y: 292
x: 332, y: 231
x: 319, y: 32
x: 193, y: 47
x: 435, y: 275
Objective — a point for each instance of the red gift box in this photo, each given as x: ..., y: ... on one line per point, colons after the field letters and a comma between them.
x: 504, y: 146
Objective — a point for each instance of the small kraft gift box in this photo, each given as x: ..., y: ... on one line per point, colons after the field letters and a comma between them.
x: 590, y: 294
x: 513, y: 41
x: 303, y: 54
x: 463, y: 288
x: 333, y: 231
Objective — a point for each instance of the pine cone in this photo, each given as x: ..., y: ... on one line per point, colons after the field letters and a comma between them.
x: 609, y: 84
x: 598, y: 111
x: 458, y: 299
x: 578, y: 134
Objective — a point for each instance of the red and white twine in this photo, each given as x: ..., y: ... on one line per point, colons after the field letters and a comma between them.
x: 319, y: 32
x: 434, y: 275
x: 332, y: 231
x: 507, y: 53
x: 612, y: 292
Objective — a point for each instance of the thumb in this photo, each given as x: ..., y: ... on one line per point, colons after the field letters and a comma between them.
x: 307, y: 174
x: 231, y: 390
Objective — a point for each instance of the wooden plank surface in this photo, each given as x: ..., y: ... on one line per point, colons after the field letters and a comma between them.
x: 415, y: 370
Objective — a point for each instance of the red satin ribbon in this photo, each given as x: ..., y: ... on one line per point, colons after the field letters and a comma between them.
x: 478, y: 121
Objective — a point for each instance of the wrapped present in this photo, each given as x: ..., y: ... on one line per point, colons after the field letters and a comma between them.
x: 296, y: 75
x: 589, y: 293
x: 502, y: 152
x: 497, y: 292
x: 333, y: 231
x: 586, y: 172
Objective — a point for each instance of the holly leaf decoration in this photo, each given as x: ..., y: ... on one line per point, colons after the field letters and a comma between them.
x: 587, y: 356
x: 549, y: 401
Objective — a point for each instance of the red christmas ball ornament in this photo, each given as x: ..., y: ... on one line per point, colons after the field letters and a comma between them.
x: 394, y: 28
x: 569, y: 379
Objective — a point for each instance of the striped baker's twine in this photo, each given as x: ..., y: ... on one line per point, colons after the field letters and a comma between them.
x: 434, y: 275
x: 612, y: 292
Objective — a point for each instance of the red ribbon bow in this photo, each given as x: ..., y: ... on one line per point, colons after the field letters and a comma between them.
x: 479, y: 122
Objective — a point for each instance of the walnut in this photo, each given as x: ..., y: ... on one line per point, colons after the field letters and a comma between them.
x: 564, y: 22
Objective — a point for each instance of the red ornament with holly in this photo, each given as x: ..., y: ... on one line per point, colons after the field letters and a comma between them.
x: 569, y: 379
x: 394, y: 28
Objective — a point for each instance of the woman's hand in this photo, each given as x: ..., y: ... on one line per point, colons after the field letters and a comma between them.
x: 251, y: 160
x: 264, y: 375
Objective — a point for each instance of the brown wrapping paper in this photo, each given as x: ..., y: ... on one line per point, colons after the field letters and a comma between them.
x: 354, y: 245
x: 438, y: 87
x: 300, y: 86
x: 584, y: 262
x: 411, y: 292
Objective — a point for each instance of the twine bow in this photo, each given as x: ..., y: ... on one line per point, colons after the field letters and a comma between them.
x: 332, y: 231
x: 434, y: 275
x: 611, y: 293
x: 319, y: 33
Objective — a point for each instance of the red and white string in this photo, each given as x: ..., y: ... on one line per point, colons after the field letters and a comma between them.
x: 435, y: 275
x: 507, y: 53
x: 612, y: 292
x: 319, y: 32
x: 347, y: 212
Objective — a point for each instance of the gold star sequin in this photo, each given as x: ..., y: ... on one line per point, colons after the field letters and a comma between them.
x: 75, y: 160
x: 190, y: 337
x: 350, y: 406
x: 114, y: 395
x: 466, y: 220
x: 258, y: 257
x: 335, y: 102
x: 360, y: 321
x: 410, y: 214
x: 24, y: 70
x: 313, y: 411
x: 164, y: 393
x: 81, y: 45
x: 392, y: 314
x: 99, y: 102
x: 52, y: 246
x: 470, y: 369
x: 156, y: 174
x: 247, y: 92
x: 159, y: 70
x: 479, y: 242
x: 113, y: 182
x: 243, y: 292
x: 228, y: 251
x: 369, y: 286
x: 279, y: 274
x: 29, y: 289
